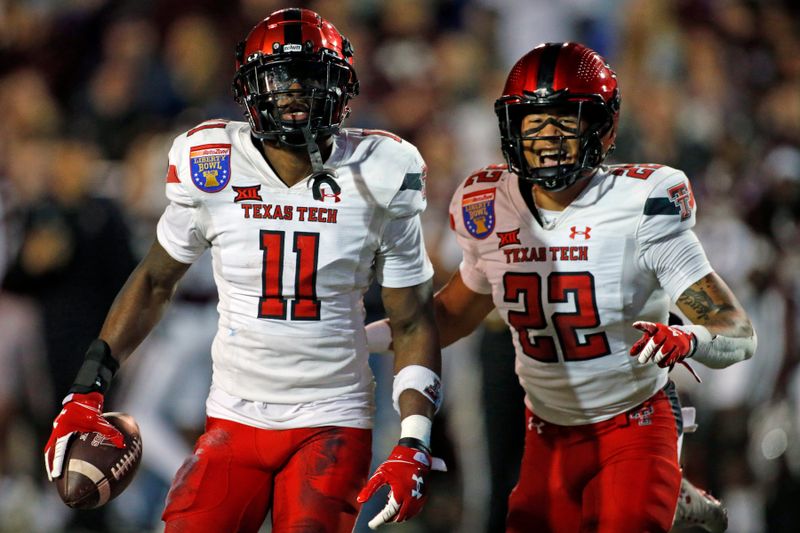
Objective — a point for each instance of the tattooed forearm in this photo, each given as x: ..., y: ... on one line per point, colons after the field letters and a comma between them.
x: 711, y: 303
x: 702, y: 304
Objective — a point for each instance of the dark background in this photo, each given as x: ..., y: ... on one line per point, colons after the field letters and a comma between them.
x: 93, y: 91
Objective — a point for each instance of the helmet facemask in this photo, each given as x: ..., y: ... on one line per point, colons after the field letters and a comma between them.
x: 283, y: 94
x: 572, y: 155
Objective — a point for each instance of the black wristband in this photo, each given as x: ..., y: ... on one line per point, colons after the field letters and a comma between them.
x: 412, y: 442
x: 97, y: 370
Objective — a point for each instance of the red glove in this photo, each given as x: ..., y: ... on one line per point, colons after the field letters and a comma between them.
x: 664, y: 345
x: 404, y: 471
x: 82, y: 413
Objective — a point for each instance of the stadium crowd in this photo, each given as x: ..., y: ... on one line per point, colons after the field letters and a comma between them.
x: 94, y: 91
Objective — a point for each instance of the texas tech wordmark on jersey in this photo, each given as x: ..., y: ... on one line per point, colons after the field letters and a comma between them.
x: 291, y: 270
x: 570, y: 290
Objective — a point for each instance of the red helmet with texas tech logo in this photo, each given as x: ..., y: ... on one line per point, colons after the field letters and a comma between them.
x: 559, y: 78
x: 294, y: 72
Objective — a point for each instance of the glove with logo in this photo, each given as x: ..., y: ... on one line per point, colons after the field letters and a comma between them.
x: 405, y: 472
x: 82, y: 410
x: 664, y: 345
x: 82, y: 413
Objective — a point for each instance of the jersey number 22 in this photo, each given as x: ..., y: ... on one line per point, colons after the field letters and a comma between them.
x: 559, y: 286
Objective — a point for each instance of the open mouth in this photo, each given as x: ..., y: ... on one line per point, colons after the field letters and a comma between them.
x: 294, y: 116
x: 553, y: 157
x: 295, y: 112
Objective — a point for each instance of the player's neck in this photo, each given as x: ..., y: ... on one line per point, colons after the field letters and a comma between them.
x: 558, y: 200
x: 292, y: 165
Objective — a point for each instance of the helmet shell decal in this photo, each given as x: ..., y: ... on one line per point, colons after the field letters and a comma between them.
x: 478, y: 211
x: 210, y: 166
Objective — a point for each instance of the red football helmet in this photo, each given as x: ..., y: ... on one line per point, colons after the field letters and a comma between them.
x: 294, y: 71
x: 564, y: 78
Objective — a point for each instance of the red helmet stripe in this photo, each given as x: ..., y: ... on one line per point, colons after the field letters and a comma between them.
x: 547, y: 67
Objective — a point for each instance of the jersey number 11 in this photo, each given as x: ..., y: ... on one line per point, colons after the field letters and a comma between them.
x: 272, y: 304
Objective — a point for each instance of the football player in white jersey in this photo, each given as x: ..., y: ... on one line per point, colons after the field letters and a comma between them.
x: 299, y: 216
x: 583, y: 262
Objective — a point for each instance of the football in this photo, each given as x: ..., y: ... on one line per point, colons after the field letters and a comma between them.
x: 95, y: 471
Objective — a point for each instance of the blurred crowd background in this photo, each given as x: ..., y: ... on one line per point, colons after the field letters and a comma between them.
x: 92, y: 92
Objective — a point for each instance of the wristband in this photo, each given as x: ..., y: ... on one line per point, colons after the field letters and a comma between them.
x: 417, y: 427
x: 97, y: 370
x: 420, y: 378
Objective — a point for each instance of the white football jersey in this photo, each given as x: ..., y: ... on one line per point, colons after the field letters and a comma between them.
x: 291, y: 270
x: 571, y: 290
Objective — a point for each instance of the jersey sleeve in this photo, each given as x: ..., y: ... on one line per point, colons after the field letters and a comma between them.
x: 410, y: 197
x: 473, y: 277
x: 401, y: 260
x: 668, y: 246
x: 178, y: 230
x: 669, y: 208
x: 678, y: 261
x: 472, y: 274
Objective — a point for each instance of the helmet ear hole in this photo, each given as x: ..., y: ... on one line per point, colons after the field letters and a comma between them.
x: 347, y: 48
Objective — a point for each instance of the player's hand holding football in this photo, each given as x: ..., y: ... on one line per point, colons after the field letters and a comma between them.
x: 405, y: 471
x: 81, y: 413
x: 662, y: 344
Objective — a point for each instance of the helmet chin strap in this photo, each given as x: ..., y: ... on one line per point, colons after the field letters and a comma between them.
x: 319, y: 174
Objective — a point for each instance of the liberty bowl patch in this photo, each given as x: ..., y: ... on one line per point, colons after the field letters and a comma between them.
x: 211, y: 166
x: 478, y: 210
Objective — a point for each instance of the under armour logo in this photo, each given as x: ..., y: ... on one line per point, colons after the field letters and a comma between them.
x: 538, y: 424
x: 584, y: 233
x: 325, y: 177
x: 334, y: 195
x: 417, y: 492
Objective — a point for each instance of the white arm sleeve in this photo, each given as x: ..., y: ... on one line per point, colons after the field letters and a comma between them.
x: 401, y: 260
x: 718, y: 351
x: 677, y: 260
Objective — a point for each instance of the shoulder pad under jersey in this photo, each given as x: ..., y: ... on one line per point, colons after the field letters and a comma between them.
x: 472, y: 204
x: 393, y: 170
x: 664, y: 199
x: 199, y: 161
